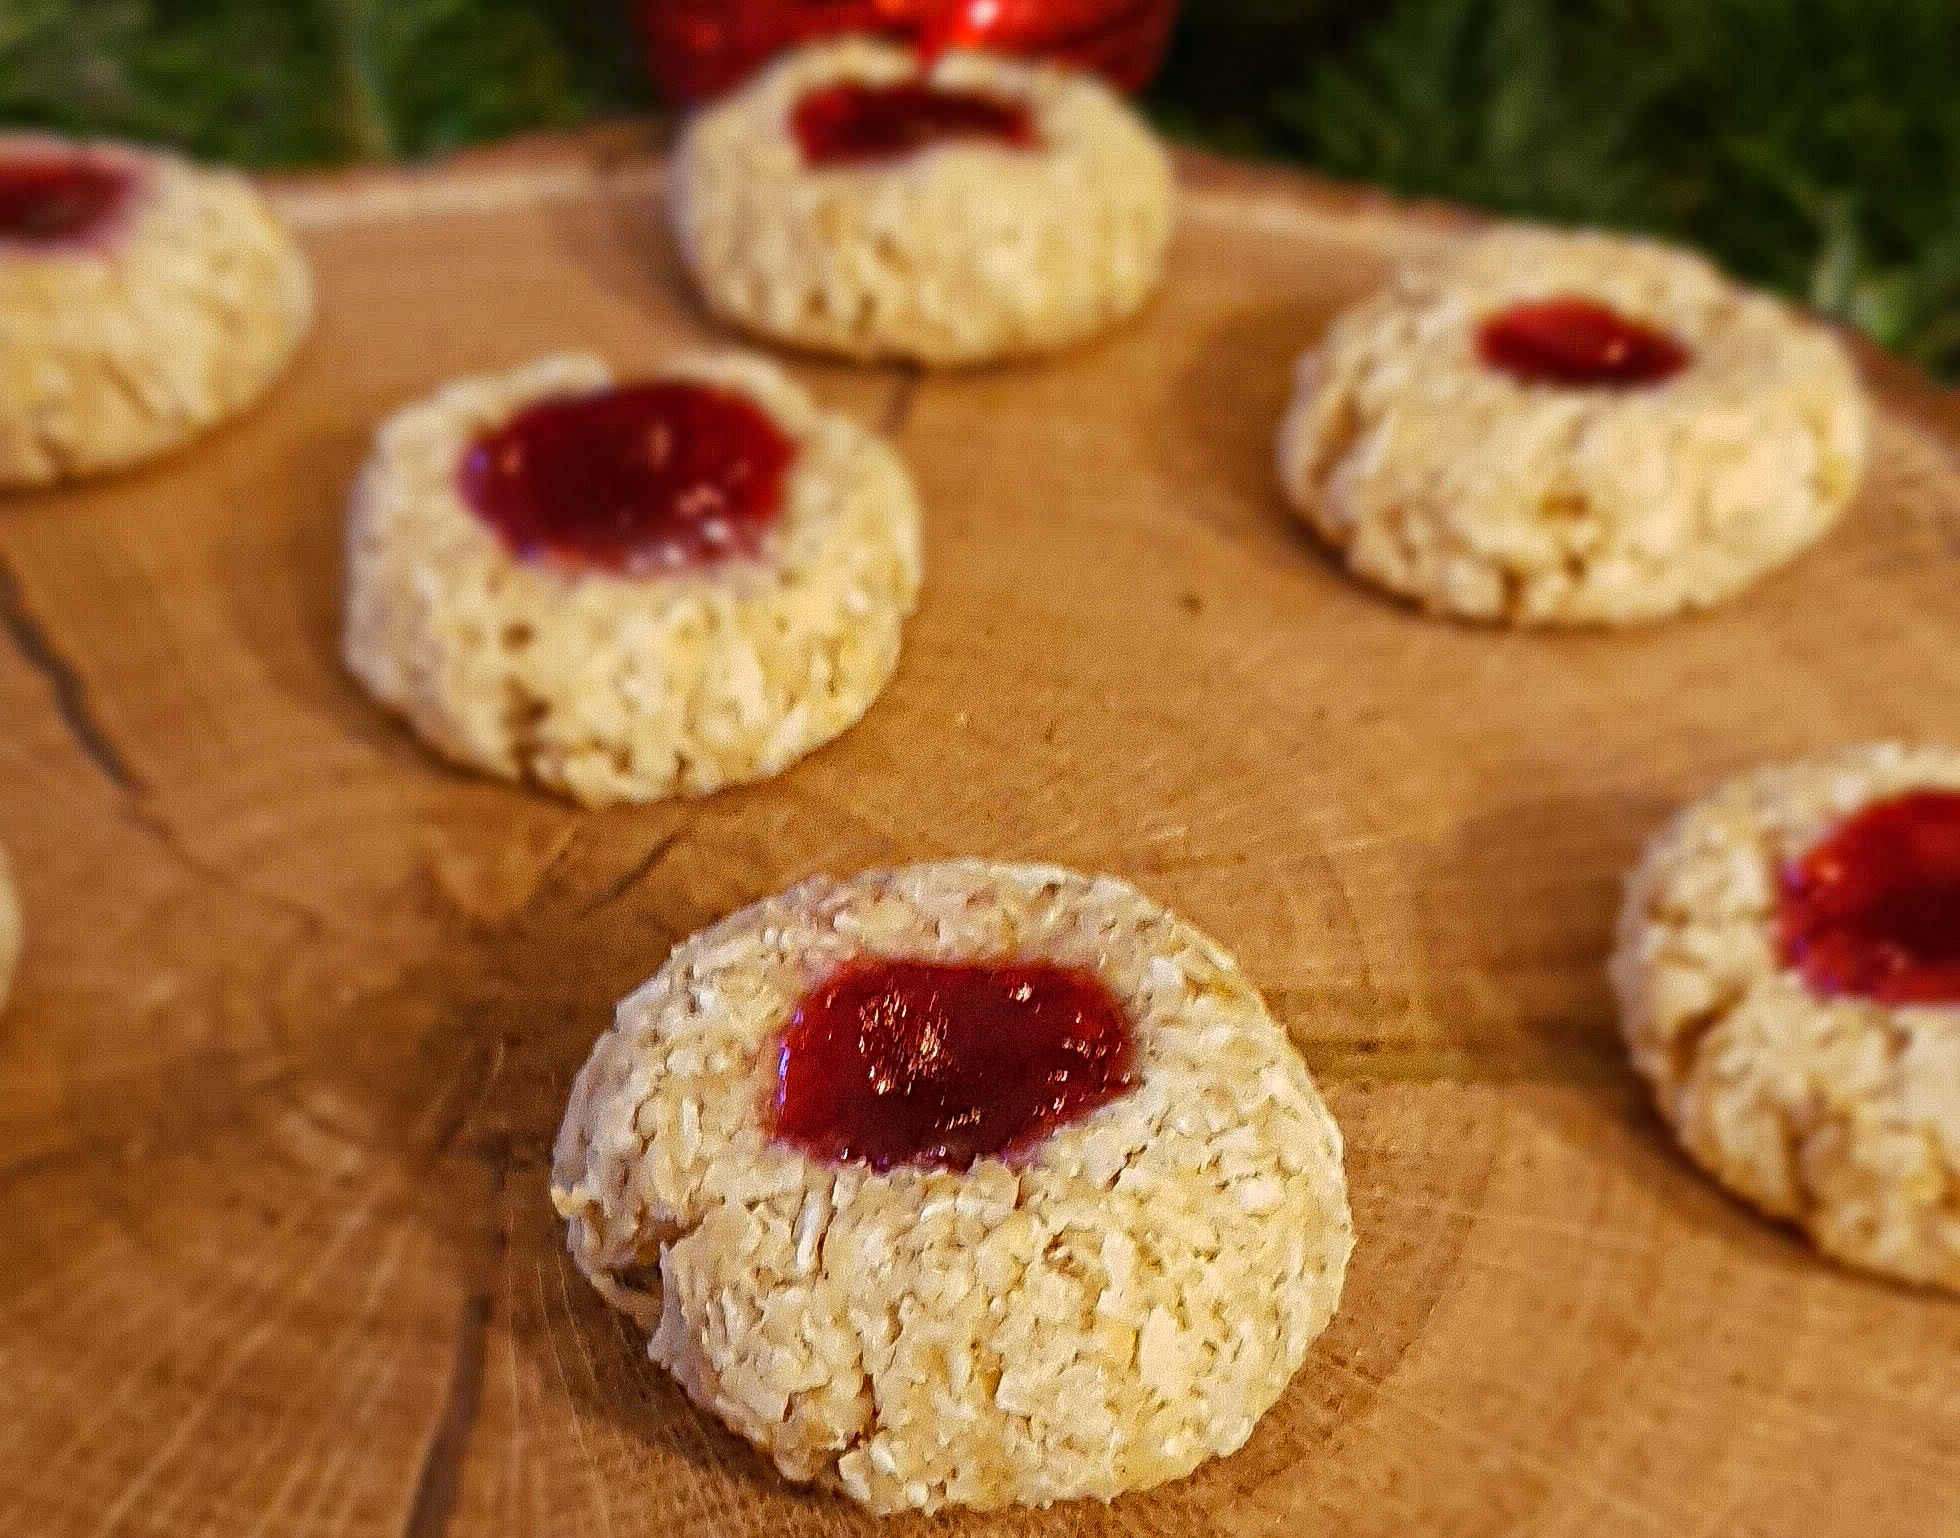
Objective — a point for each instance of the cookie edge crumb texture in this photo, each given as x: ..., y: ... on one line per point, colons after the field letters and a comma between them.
x: 1102, y: 1316
x: 957, y: 255
x: 1839, y: 1115
x: 118, y: 350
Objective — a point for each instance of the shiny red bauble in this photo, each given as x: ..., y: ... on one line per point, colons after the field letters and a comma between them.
x: 700, y: 48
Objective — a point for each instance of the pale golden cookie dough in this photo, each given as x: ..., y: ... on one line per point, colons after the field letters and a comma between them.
x: 118, y: 347
x: 1454, y: 484
x: 1839, y: 1114
x: 10, y: 929
x: 628, y: 688
x: 1102, y: 1314
x: 961, y: 253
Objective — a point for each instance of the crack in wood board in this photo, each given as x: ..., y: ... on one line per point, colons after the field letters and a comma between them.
x: 39, y: 650
x: 145, y: 817
x: 74, y: 704
x: 37, y: 647
x: 642, y: 868
x: 439, y: 1480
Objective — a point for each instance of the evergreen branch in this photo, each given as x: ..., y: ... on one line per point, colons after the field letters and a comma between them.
x: 1810, y: 145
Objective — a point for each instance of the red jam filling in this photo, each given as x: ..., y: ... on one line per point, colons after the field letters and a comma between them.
x: 855, y: 124
x: 1574, y: 341
x: 640, y: 479
x: 1874, y: 910
x: 49, y: 198
x: 912, y: 1062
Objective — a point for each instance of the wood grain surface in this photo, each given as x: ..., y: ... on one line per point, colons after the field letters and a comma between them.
x: 300, y: 1006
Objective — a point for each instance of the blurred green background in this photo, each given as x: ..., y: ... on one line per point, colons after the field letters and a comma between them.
x: 1813, y: 145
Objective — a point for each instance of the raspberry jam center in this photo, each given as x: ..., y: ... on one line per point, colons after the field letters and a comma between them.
x: 639, y: 479
x: 1874, y: 910
x: 48, y: 198
x: 855, y: 124
x: 1573, y: 341
x: 912, y: 1062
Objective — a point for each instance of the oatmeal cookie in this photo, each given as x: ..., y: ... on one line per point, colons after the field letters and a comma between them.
x: 142, y: 300
x: 1031, y: 212
x: 552, y: 584
x: 1571, y: 428
x: 1788, y: 970
x: 1097, y: 1307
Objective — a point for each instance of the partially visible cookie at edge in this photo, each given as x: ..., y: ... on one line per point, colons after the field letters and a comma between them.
x: 1096, y: 1313
x: 143, y: 300
x: 1548, y: 428
x: 1788, y: 973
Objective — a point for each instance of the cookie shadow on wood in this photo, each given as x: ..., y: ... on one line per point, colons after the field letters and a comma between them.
x: 1523, y: 905
x: 284, y: 585
x: 1517, y: 911
x: 621, y: 241
x: 1227, y: 398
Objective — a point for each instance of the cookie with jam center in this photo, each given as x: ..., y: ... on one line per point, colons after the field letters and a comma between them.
x: 143, y: 300
x: 960, y: 1184
x: 854, y: 201
x: 626, y: 590
x: 1555, y: 429
x: 1788, y: 972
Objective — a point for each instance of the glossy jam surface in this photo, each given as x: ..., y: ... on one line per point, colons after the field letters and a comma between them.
x: 1574, y: 341
x: 47, y: 198
x: 1874, y: 910
x: 912, y: 1062
x: 640, y: 479
x: 700, y: 48
x: 854, y: 124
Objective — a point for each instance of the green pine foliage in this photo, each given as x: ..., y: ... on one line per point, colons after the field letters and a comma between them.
x: 1813, y: 145
x: 314, y: 82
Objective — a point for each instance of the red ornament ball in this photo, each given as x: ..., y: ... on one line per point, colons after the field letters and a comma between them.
x: 700, y: 48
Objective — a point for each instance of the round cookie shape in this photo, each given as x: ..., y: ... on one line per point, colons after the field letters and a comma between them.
x: 1550, y: 428
x: 1097, y: 1311
x: 1826, y: 1094
x: 10, y: 929
x: 993, y: 238
x: 717, y: 653
x: 143, y: 300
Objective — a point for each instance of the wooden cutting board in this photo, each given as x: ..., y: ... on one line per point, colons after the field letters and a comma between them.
x: 300, y: 1006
